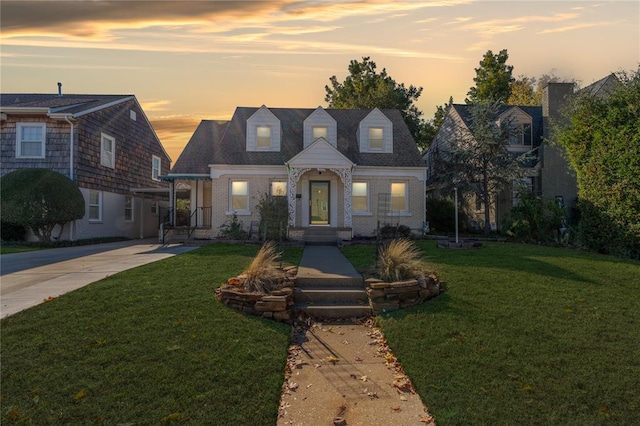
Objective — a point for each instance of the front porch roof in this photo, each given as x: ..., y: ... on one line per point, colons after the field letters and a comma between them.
x: 184, y: 176
x: 320, y: 154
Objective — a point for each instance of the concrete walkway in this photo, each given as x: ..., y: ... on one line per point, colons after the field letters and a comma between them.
x: 325, y: 262
x: 27, y: 279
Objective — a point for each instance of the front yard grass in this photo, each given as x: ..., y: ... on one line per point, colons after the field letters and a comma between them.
x: 147, y: 346
x: 523, y: 335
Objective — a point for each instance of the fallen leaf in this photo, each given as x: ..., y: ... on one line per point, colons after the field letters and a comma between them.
x: 79, y: 395
x: 49, y: 299
x: 345, y: 342
x: 358, y: 358
x: 396, y: 408
x: 332, y: 359
x: 426, y: 418
x: 403, y: 398
x: 293, y: 386
x: 309, y: 385
x: 372, y: 395
x: 364, y: 378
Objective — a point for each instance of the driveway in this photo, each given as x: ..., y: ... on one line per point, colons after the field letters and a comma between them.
x: 27, y: 279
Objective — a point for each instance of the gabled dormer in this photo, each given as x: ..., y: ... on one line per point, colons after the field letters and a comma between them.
x: 263, y: 131
x: 375, y: 133
x: 319, y: 124
x: 521, y: 125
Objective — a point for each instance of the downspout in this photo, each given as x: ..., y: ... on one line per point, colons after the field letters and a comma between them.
x: 66, y: 118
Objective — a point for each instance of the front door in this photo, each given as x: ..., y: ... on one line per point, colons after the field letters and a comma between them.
x: 319, y: 202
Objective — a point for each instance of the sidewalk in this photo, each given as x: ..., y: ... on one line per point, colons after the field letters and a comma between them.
x: 31, y: 277
x: 343, y: 373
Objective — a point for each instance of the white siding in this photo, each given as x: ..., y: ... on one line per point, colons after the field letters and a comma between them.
x: 375, y: 119
x: 320, y: 117
x: 263, y: 117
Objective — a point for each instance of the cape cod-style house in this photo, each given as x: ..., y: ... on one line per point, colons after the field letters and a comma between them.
x: 104, y: 143
x: 342, y: 172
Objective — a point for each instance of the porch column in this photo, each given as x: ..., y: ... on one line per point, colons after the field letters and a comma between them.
x: 294, y: 176
x: 346, y: 177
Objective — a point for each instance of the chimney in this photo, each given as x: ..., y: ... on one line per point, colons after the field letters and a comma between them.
x: 59, y: 89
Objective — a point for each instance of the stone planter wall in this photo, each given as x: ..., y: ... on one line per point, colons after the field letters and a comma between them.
x: 386, y: 297
x: 277, y: 305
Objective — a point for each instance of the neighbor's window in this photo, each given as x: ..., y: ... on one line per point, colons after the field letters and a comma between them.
x: 520, y: 135
x: 154, y: 207
x: 376, y: 137
x: 360, y: 197
x: 30, y: 140
x: 95, y: 206
x: 156, y: 163
x: 319, y: 132
x: 108, y: 151
x: 240, y: 196
x: 263, y: 137
x: 398, y: 197
x: 128, y: 208
x: 278, y: 188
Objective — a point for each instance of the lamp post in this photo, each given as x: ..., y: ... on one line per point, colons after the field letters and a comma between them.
x: 455, y: 191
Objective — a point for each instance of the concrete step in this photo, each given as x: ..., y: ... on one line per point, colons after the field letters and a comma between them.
x: 335, y: 311
x: 330, y: 281
x: 331, y: 296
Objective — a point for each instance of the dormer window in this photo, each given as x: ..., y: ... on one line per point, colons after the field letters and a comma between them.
x: 520, y: 135
x: 320, y: 132
x: 263, y: 137
x: 376, y: 138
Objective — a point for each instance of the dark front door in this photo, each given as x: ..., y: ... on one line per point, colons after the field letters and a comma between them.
x: 319, y: 202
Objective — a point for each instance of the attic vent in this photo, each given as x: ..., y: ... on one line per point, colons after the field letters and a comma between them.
x: 132, y: 114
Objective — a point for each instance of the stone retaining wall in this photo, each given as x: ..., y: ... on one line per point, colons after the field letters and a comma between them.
x: 386, y: 297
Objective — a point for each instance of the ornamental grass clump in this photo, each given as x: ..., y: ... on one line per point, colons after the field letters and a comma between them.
x: 399, y: 260
x: 263, y: 274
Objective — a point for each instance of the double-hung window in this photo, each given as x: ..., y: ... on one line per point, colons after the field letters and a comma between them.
x: 108, y: 151
x: 360, y: 197
x: 30, y: 140
x: 376, y: 138
x: 156, y: 164
x: 95, y: 206
x: 263, y: 137
x: 128, y: 208
x: 520, y: 135
x: 399, y: 197
x: 239, y: 196
x: 278, y: 188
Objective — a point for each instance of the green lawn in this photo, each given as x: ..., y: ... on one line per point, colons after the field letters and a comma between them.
x: 524, y: 335
x: 147, y: 346
x: 8, y: 249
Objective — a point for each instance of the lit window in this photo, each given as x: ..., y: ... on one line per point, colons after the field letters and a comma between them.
x: 30, y: 140
x: 320, y: 132
x: 263, y: 137
x: 95, y: 206
x: 239, y: 196
x: 155, y: 167
x: 359, y: 197
x: 107, y: 151
x: 128, y: 208
x: 399, y: 197
x: 279, y: 189
x: 375, y: 137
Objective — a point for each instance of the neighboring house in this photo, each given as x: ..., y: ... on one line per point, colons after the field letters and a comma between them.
x: 342, y: 171
x: 104, y: 143
x: 548, y: 173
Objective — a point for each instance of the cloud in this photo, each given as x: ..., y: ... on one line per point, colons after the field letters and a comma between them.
x: 575, y: 27
x: 155, y: 106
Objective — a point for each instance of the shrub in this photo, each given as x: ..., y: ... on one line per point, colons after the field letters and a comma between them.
x: 233, y: 229
x: 12, y: 231
x: 273, y: 216
x: 399, y: 260
x: 391, y: 231
x: 263, y: 274
x: 40, y: 199
x: 533, y: 219
x: 441, y: 214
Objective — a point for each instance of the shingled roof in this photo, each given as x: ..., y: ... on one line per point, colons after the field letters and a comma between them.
x: 56, y: 104
x: 198, y: 154
x: 231, y: 149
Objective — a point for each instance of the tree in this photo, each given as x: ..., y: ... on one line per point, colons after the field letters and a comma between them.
x: 478, y: 161
x: 602, y: 139
x: 40, y: 199
x: 493, y: 79
x: 365, y: 88
x: 528, y: 90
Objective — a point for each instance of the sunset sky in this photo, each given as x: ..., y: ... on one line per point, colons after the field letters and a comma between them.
x: 191, y: 60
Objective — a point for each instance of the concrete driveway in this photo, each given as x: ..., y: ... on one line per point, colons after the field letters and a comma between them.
x: 27, y: 279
